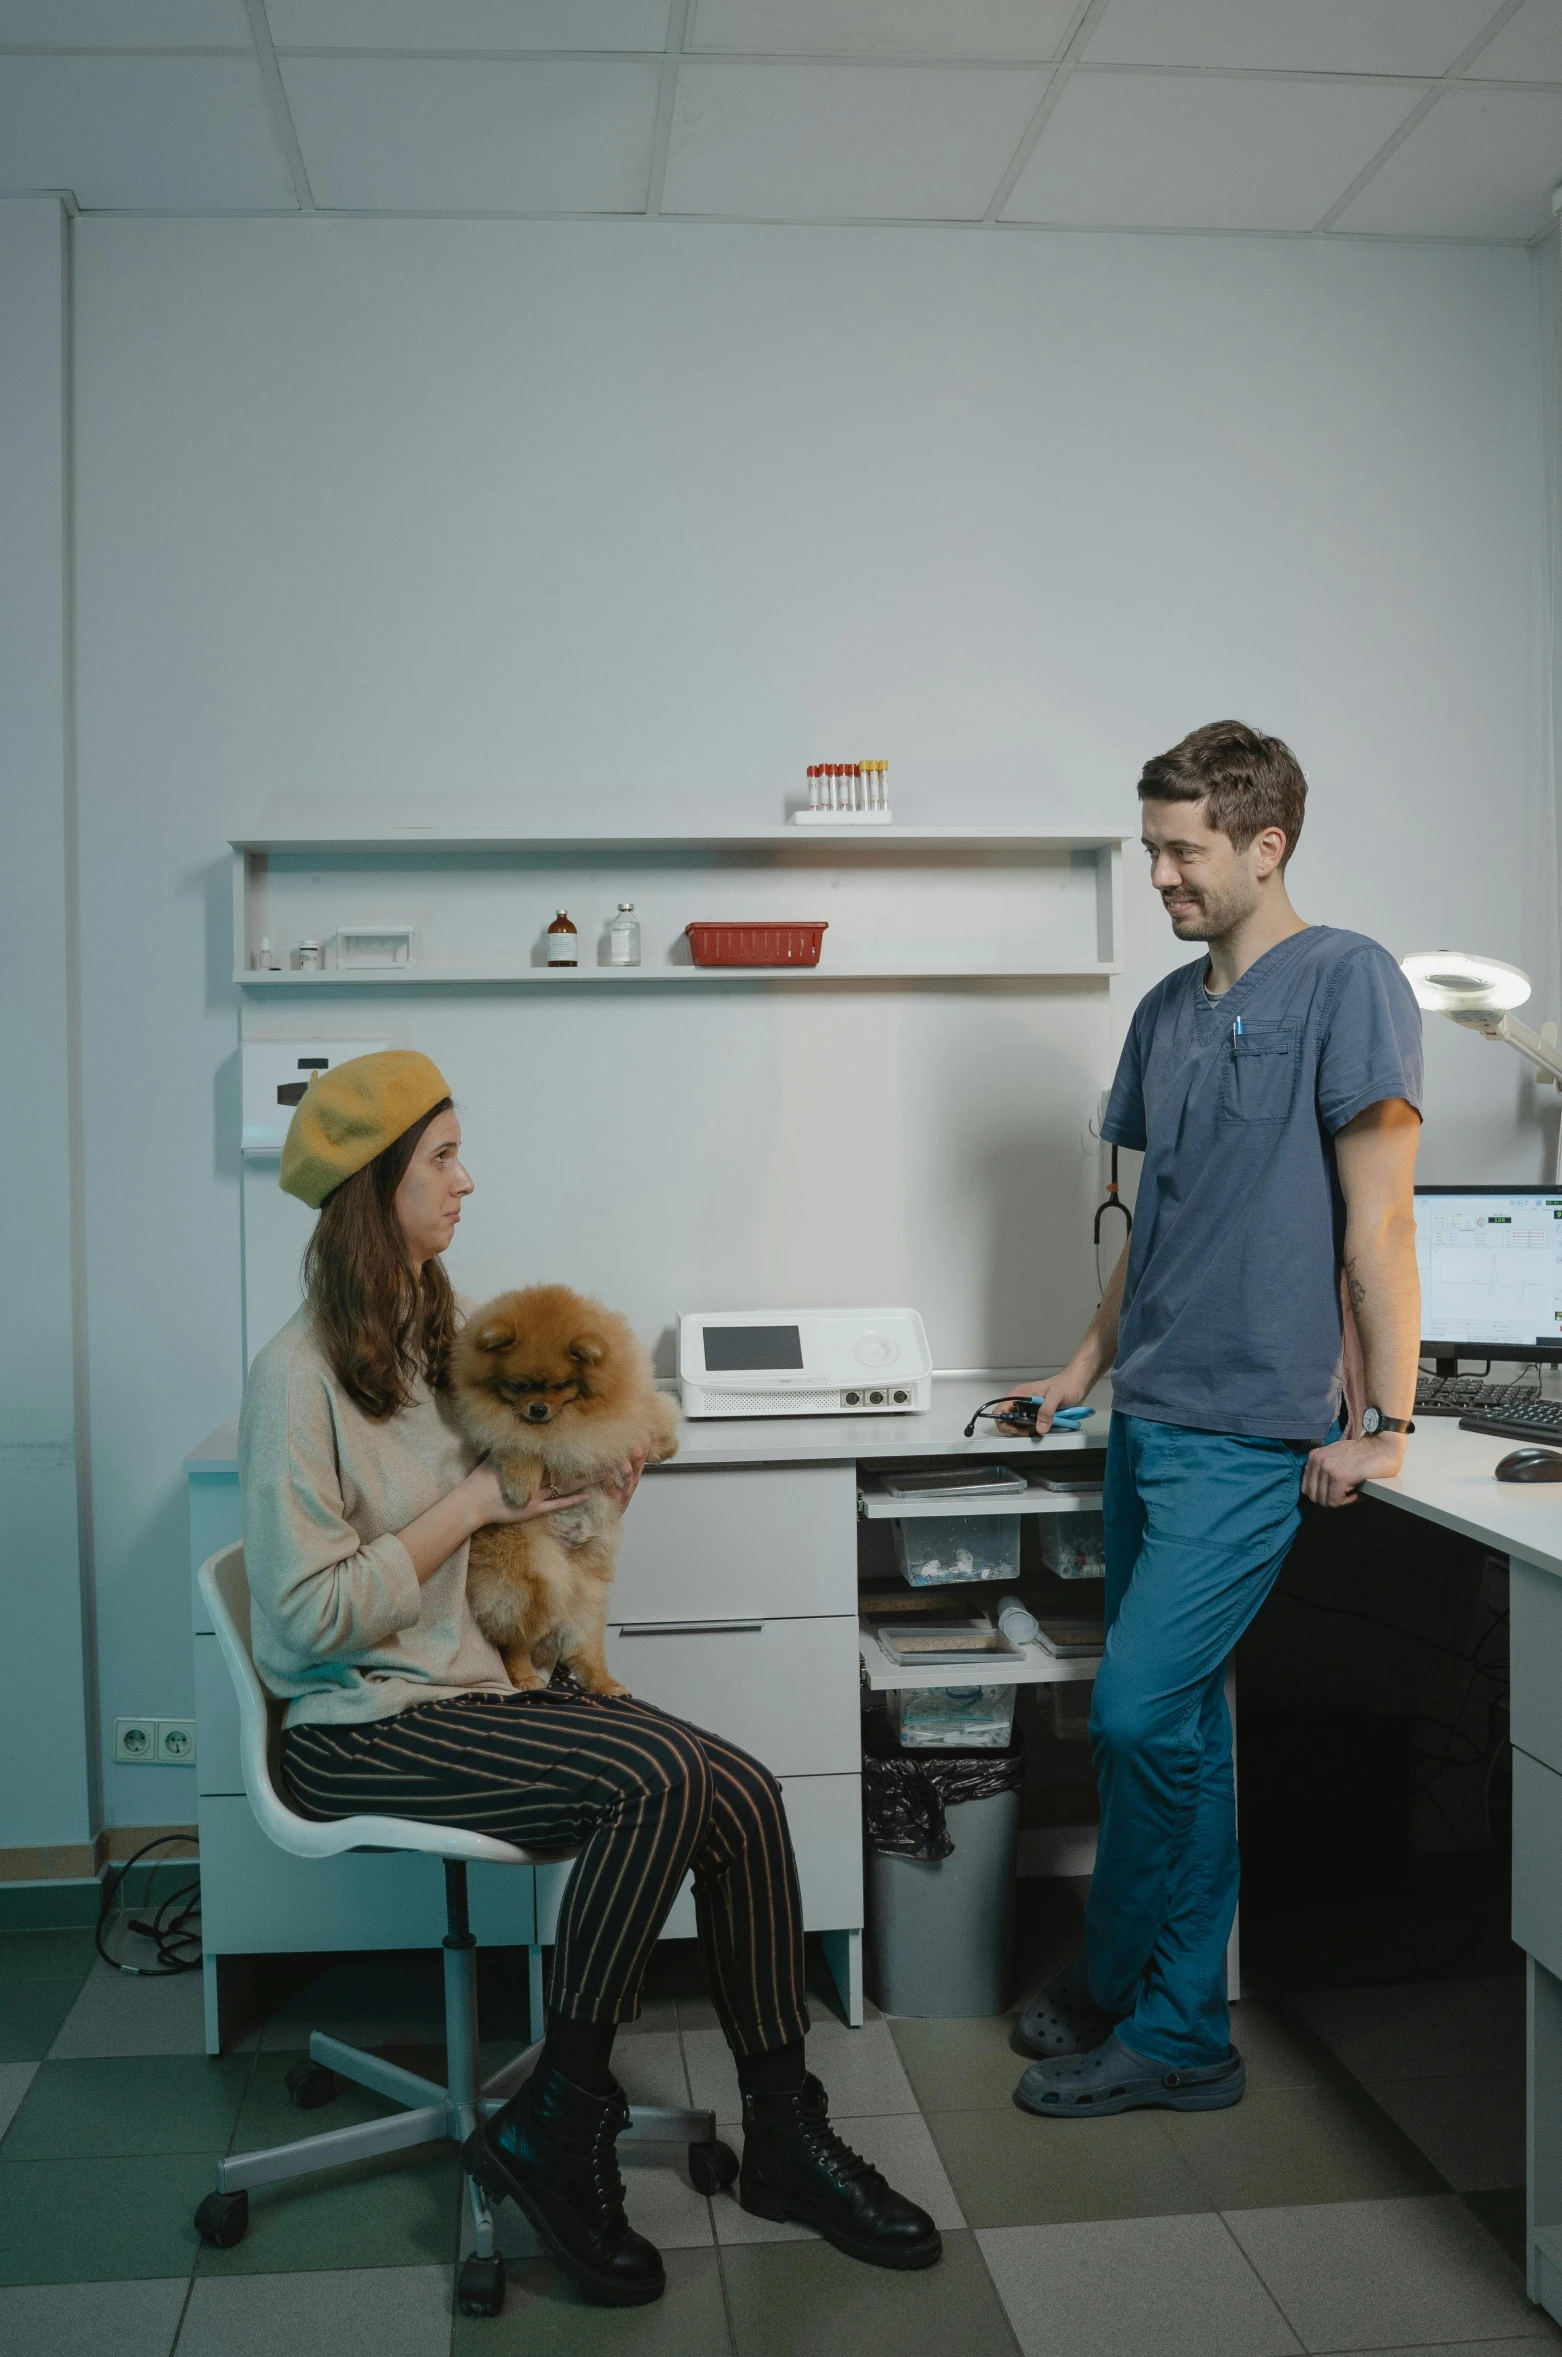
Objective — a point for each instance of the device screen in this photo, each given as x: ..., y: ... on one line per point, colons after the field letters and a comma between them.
x: 1491, y: 1266
x: 731, y: 1348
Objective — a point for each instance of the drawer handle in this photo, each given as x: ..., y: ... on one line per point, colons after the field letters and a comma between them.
x: 690, y: 1628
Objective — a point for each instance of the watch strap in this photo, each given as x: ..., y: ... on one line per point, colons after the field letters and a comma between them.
x: 1391, y: 1424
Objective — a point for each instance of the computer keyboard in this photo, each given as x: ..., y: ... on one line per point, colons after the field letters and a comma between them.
x: 1525, y: 1419
x: 1468, y: 1395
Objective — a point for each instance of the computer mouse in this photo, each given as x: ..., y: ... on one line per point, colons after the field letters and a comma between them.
x: 1531, y: 1465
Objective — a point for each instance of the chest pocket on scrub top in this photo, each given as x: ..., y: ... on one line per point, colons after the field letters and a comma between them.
x: 1260, y: 1075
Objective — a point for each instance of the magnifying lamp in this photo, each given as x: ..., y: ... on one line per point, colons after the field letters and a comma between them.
x: 1480, y: 994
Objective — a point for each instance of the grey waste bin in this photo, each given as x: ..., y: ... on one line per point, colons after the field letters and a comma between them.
x: 940, y: 1929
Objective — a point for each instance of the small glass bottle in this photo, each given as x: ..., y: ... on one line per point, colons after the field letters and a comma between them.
x: 563, y: 942
x: 623, y: 936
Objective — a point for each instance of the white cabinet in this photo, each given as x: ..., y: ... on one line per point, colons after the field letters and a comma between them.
x: 721, y: 1543
x: 786, y: 1690
x: 259, y: 1900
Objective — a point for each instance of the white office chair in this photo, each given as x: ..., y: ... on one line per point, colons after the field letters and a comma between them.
x: 433, y: 2112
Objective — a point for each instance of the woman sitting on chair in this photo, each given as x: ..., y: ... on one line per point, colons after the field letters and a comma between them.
x: 360, y: 1497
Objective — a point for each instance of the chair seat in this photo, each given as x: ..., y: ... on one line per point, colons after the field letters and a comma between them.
x: 226, y: 1591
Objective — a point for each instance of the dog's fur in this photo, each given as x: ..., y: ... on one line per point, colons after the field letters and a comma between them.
x: 558, y: 1392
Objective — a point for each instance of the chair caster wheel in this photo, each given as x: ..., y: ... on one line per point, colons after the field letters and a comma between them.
x: 310, y: 2084
x: 223, y: 2218
x: 480, y: 2286
x: 712, y: 2167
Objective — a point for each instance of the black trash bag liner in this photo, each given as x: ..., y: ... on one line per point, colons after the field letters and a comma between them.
x: 905, y: 1794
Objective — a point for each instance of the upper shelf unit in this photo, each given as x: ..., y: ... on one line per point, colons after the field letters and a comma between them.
x: 902, y: 904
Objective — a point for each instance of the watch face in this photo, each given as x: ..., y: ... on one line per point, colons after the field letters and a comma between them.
x: 1371, y: 1421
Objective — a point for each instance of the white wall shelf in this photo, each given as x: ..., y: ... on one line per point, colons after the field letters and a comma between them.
x: 566, y: 977
x: 903, y: 904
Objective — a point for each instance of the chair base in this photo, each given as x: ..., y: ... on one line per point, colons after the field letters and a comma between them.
x: 433, y: 2115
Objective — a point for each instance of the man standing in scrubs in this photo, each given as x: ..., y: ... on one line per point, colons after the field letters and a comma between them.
x: 1273, y: 1086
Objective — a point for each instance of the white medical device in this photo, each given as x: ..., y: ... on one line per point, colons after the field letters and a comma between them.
x: 803, y: 1362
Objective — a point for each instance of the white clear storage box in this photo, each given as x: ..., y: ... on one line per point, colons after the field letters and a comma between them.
x: 1073, y: 1546
x: 953, y: 1718
x: 934, y: 1550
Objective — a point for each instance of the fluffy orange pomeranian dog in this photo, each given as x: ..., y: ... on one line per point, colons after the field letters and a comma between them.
x: 558, y: 1392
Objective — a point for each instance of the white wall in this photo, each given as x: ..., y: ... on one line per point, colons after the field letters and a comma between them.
x: 588, y: 519
x: 44, y: 1754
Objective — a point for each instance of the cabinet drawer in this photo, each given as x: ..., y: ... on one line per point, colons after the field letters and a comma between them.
x: 786, y: 1690
x: 778, y: 1540
x: 257, y: 1899
x: 216, y: 1721
x: 825, y: 1817
x: 1537, y: 1861
x: 1535, y: 1661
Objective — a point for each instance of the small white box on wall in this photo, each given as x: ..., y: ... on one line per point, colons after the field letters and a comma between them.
x: 276, y: 1074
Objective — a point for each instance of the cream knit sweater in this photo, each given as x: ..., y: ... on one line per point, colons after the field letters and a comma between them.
x: 340, y: 1627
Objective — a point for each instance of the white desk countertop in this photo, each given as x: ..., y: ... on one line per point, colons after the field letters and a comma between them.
x: 1447, y: 1474
x: 812, y: 1440
x: 1448, y: 1478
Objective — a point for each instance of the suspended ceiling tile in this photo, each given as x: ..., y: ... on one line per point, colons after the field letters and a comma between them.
x: 468, y: 24
x: 822, y: 142
x: 1176, y: 151
x: 459, y: 135
x: 153, y: 134
x: 1483, y: 163
x: 1022, y: 29
x: 116, y: 24
x: 1321, y: 36
x: 1528, y: 49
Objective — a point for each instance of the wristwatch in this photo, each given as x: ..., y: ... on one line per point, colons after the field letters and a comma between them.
x: 1373, y: 1421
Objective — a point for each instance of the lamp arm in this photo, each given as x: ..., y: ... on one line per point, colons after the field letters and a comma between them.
x: 1540, y: 1051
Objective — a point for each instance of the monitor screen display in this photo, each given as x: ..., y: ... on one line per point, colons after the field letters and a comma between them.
x: 730, y: 1349
x: 1491, y: 1268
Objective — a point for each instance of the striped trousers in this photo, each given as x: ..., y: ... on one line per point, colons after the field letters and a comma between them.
x: 643, y: 1798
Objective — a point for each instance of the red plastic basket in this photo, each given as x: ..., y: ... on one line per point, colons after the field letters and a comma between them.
x: 755, y: 945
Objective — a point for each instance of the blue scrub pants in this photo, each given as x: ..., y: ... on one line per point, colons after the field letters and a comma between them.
x: 1197, y: 1527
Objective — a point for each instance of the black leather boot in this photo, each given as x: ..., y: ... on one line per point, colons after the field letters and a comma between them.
x: 551, y: 2150
x: 795, y: 2166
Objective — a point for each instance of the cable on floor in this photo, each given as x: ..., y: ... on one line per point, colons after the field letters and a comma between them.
x: 174, y: 1929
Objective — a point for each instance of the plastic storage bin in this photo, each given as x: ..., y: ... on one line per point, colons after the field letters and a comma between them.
x: 756, y: 945
x: 1073, y: 1546
x: 953, y: 1718
x: 934, y: 1549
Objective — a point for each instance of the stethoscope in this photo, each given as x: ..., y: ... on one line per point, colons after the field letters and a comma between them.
x: 1114, y: 1202
x: 1065, y: 1420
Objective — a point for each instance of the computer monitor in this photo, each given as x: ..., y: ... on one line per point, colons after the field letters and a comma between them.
x: 1491, y: 1272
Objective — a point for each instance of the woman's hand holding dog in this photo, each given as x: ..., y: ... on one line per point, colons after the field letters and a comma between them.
x: 471, y: 1506
x: 625, y: 1481
x: 491, y: 1505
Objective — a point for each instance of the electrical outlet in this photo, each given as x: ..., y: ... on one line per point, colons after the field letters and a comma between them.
x: 135, y: 1741
x: 175, y: 1743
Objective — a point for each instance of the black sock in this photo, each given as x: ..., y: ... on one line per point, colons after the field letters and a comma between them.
x: 580, y: 2050
x: 780, y: 2071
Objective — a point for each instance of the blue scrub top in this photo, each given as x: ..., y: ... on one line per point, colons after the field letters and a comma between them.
x: 1231, y: 1312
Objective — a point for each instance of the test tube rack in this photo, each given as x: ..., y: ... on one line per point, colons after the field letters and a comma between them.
x: 846, y: 794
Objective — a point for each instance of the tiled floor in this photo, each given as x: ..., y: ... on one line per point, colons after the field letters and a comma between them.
x: 1365, y: 2196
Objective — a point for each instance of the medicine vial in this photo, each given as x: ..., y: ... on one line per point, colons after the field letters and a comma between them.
x: 563, y: 942
x: 623, y: 936
x: 309, y: 958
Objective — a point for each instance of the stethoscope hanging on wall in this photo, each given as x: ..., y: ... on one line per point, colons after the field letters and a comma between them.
x: 1113, y: 1202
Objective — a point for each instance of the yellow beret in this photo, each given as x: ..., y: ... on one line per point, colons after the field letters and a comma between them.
x: 347, y: 1116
